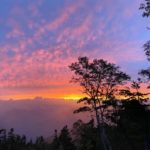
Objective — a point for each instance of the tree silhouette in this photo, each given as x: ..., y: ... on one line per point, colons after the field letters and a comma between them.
x: 55, y: 142
x: 85, y: 135
x: 65, y: 140
x: 99, y: 81
x: 146, y: 72
x: 133, y: 122
x: 134, y: 92
x: 145, y: 6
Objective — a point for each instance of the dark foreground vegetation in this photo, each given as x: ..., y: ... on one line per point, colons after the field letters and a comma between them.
x: 129, y: 130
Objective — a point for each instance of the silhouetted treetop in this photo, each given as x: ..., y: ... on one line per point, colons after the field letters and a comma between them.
x: 146, y: 7
x: 98, y: 78
x: 147, y: 49
x: 134, y: 92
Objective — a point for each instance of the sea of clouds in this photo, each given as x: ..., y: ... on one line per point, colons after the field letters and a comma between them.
x: 38, y: 116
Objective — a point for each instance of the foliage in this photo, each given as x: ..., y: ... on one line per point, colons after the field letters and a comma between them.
x: 133, y: 92
x: 146, y: 72
x: 65, y: 140
x: 98, y: 78
x: 11, y: 141
x: 145, y: 6
x: 133, y: 121
x: 99, y: 81
x: 85, y: 135
x: 132, y: 131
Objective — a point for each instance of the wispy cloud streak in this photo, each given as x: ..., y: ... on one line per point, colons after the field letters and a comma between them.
x: 41, y: 38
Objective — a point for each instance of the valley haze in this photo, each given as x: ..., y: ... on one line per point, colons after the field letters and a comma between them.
x: 38, y: 116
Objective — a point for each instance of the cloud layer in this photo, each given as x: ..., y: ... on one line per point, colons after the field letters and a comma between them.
x: 36, y: 117
x: 39, y: 39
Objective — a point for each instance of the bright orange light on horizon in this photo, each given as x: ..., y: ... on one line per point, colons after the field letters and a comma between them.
x: 71, y: 92
x: 73, y: 97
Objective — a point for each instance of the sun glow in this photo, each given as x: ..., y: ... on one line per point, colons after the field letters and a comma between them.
x: 72, y: 97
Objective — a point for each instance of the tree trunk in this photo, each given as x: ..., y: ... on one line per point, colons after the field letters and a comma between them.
x: 146, y: 138
x: 105, y: 138
x: 102, y: 133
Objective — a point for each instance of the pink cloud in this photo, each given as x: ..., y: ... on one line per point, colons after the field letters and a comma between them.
x: 59, y: 20
x: 132, y: 9
x: 15, y: 33
x: 43, y: 62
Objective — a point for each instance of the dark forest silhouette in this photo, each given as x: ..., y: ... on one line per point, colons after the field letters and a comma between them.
x: 116, y: 123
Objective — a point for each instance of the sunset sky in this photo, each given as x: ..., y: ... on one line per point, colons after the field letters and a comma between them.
x: 40, y: 38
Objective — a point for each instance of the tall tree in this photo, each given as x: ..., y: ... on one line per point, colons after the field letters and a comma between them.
x: 99, y: 81
x: 145, y: 7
